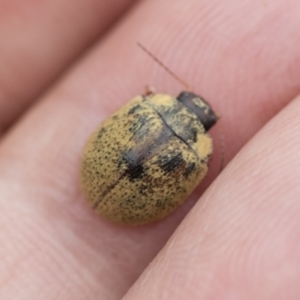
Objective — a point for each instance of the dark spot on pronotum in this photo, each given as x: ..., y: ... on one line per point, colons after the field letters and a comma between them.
x: 169, y: 163
x: 204, y: 112
x: 170, y: 111
x: 167, y: 126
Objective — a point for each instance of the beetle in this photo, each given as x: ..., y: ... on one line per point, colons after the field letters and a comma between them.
x: 148, y: 157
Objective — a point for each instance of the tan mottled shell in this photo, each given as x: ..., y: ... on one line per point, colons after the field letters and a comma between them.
x: 144, y: 160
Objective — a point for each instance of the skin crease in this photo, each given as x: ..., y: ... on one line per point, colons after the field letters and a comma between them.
x: 240, y: 241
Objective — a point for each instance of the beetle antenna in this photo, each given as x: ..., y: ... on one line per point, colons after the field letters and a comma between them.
x: 188, y: 87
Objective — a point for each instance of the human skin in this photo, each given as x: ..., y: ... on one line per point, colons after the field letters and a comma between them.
x: 65, y: 69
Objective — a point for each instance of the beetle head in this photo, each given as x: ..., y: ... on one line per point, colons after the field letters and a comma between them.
x: 200, y: 107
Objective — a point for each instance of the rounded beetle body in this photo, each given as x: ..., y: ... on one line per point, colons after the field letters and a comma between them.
x: 144, y: 160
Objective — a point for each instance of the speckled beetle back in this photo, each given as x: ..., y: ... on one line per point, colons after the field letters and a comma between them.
x: 144, y: 160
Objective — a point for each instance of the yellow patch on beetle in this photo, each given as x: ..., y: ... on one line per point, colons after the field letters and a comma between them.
x: 144, y: 160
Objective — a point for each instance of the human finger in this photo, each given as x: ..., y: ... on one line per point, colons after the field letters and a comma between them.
x: 38, y: 41
x: 44, y: 149
x: 241, y: 240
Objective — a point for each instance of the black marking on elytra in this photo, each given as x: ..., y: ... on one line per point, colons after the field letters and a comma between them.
x: 139, y: 123
x: 205, y: 114
x: 133, y: 127
x: 135, y: 158
x: 134, y: 165
x: 161, y: 203
x: 101, y: 132
x: 143, y: 190
x: 190, y: 168
x: 169, y: 163
x: 134, y: 109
